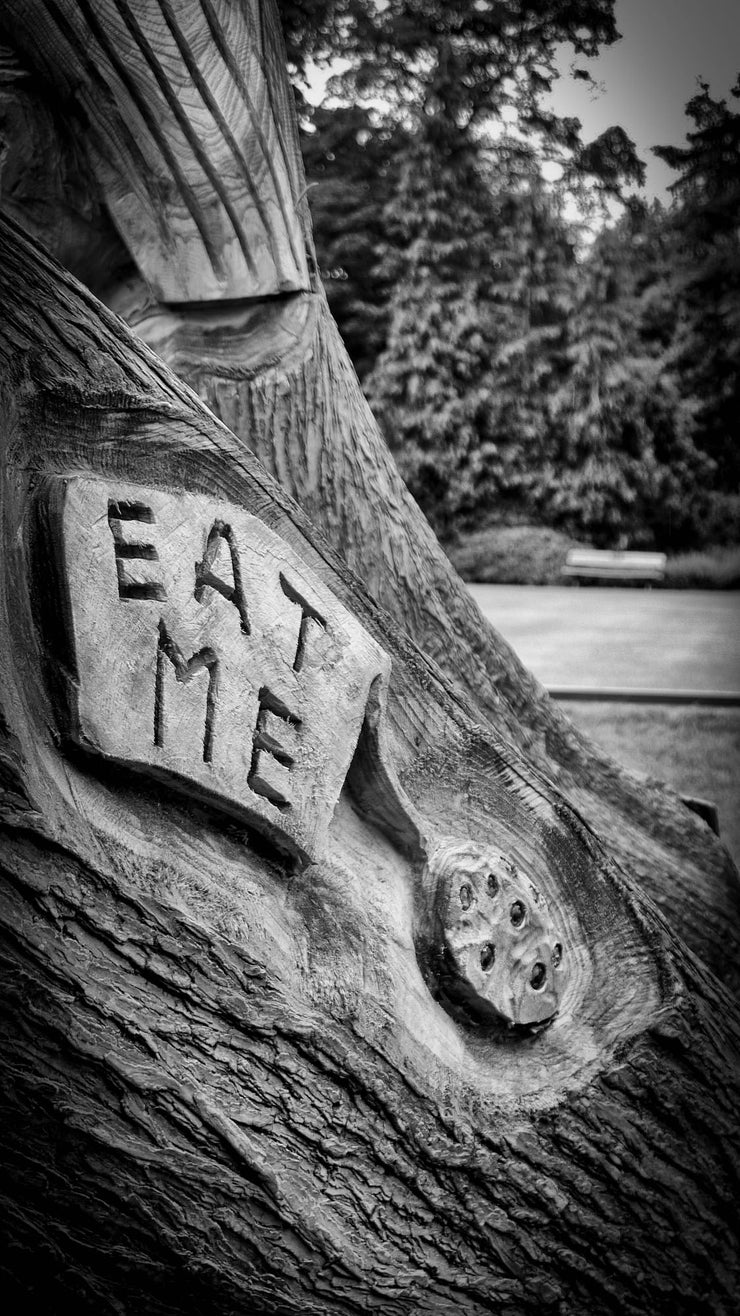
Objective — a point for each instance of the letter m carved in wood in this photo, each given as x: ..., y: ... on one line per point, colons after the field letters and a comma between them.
x: 205, y: 660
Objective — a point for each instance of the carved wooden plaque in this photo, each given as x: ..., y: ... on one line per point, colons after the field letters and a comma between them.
x: 207, y: 654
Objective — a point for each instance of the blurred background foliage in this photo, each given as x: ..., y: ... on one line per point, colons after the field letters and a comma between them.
x: 539, y: 345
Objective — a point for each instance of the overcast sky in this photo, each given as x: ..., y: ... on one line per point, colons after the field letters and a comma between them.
x: 647, y: 77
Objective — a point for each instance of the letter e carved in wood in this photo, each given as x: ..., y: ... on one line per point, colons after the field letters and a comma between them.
x: 210, y: 656
x: 132, y: 549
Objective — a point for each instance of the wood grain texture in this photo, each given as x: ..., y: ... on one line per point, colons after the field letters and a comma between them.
x: 237, y: 1082
x: 46, y: 182
x: 233, y: 1085
x: 306, y: 419
x: 192, y: 150
x: 281, y: 380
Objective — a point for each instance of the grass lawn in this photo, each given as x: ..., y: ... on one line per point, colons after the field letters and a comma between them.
x: 695, y: 749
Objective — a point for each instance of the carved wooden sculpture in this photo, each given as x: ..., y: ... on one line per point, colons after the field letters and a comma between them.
x: 150, y: 78
x: 318, y: 994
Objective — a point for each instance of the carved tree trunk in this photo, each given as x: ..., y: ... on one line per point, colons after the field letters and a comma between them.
x: 318, y: 994
x: 192, y: 149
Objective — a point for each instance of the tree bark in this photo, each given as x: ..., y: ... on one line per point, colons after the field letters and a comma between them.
x: 327, y: 452
x: 246, y: 359
x: 250, y: 1068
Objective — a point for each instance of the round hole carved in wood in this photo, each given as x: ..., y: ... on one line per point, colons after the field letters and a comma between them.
x: 502, y: 957
x: 518, y: 913
x: 487, y: 957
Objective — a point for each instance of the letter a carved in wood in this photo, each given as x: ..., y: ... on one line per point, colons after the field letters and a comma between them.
x: 205, y: 575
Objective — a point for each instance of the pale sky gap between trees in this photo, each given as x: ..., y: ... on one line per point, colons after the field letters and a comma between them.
x: 644, y: 81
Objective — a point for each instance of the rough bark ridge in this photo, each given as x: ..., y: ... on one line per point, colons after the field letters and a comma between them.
x: 230, y: 1080
x: 238, y: 1080
x: 279, y: 377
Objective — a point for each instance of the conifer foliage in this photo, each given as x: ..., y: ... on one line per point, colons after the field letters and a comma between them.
x: 623, y: 468
x: 705, y: 227
x: 473, y: 311
x: 517, y: 375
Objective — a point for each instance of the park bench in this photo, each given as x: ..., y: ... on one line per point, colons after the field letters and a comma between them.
x: 614, y: 564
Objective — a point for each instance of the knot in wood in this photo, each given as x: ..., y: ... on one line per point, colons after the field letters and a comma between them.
x: 501, y: 956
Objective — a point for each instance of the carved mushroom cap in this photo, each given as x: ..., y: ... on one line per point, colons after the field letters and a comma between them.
x: 503, y: 956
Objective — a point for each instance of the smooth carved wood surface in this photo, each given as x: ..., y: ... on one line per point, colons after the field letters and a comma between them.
x: 189, y: 133
x: 234, y: 1084
x: 240, y: 674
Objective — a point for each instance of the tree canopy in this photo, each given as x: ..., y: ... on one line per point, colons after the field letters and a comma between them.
x: 518, y: 372
x: 704, y: 228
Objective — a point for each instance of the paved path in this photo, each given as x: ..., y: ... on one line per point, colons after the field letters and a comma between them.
x: 587, y: 636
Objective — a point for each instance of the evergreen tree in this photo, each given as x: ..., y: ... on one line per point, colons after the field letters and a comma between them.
x: 353, y: 164
x: 705, y: 286
x: 413, y: 70
x: 428, y: 388
x: 625, y: 470
x: 464, y: 60
x: 480, y: 291
x: 313, y: 31
x: 445, y: 260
